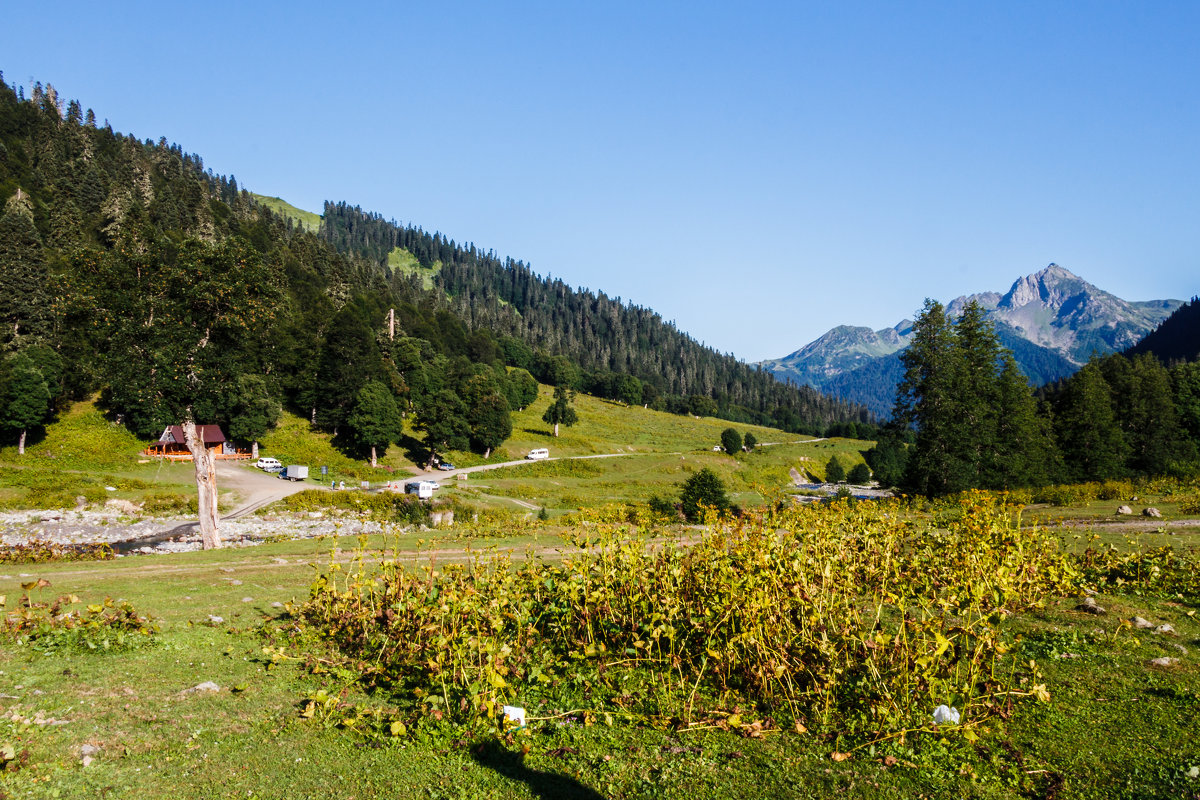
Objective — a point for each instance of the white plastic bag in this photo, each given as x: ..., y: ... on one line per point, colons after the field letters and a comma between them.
x: 515, y: 715
x: 945, y: 714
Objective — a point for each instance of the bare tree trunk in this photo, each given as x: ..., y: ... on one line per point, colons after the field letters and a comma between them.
x: 556, y: 430
x: 206, y: 485
x: 21, y: 445
x: 487, y: 452
x: 373, y: 463
x: 254, y: 451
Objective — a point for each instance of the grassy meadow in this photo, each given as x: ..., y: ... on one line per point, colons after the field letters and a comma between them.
x: 308, y: 220
x: 1113, y: 724
x: 766, y: 657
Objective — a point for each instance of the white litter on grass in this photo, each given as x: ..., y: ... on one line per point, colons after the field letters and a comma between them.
x: 515, y: 715
x: 945, y: 714
x: 110, y: 488
x: 207, y: 686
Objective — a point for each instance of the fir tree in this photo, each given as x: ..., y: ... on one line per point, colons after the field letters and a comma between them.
x: 25, y: 312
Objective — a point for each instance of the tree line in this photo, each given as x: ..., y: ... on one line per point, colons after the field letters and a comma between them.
x: 966, y: 417
x: 616, y: 345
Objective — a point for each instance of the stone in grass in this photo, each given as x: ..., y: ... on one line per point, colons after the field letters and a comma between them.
x: 1164, y: 661
x: 89, y: 750
x: 1088, y: 606
x: 247, y: 599
x: 207, y: 686
x: 215, y: 620
x: 1151, y: 512
x: 1139, y: 622
x: 1124, y: 510
x: 1166, y: 628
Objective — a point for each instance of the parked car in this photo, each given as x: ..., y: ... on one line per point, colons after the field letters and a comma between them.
x: 446, y: 466
x: 269, y: 464
x: 538, y: 454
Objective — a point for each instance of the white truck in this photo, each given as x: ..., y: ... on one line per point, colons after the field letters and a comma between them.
x: 294, y: 472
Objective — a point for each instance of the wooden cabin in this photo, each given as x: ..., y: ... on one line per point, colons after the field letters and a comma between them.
x: 173, y: 446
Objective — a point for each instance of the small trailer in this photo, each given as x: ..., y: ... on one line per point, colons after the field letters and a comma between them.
x: 294, y: 472
x: 422, y: 489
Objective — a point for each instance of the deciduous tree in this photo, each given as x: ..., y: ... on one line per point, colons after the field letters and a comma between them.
x: 561, y: 412
x: 375, y: 420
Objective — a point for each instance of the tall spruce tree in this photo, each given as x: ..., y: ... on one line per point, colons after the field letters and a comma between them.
x: 927, y: 399
x: 1091, y: 442
x: 25, y: 308
x: 1023, y: 452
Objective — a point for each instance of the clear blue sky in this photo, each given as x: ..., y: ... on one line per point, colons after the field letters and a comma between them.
x: 757, y: 172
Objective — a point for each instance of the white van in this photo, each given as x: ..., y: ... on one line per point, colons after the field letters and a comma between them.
x: 269, y: 464
x: 538, y: 454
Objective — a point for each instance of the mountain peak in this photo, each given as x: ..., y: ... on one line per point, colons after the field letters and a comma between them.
x: 1049, y: 287
x: 1052, y: 319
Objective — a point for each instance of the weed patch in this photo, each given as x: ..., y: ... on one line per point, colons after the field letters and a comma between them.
x: 842, y: 620
x: 39, y: 552
x: 68, y: 625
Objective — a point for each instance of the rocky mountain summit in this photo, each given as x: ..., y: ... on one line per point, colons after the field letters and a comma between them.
x: 1052, y: 320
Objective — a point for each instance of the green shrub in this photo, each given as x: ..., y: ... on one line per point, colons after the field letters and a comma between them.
x: 391, y: 506
x: 702, y: 490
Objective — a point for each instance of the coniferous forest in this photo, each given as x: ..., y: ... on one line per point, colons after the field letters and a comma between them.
x: 130, y: 270
x: 967, y: 418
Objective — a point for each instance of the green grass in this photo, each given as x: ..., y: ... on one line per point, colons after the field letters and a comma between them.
x: 1114, y: 727
x: 401, y: 260
x: 306, y: 219
x: 80, y: 455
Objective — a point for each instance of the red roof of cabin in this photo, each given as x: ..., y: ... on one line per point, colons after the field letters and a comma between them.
x: 209, y: 434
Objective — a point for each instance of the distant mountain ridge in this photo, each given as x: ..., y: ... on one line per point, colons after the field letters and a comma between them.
x: 1052, y: 320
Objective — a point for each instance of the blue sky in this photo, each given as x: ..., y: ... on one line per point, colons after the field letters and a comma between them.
x: 756, y: 172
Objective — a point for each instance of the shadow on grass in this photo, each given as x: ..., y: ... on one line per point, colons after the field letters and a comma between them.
x: 539, y: 432
x: 548, y: 785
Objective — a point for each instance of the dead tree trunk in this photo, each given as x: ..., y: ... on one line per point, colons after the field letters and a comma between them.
x: 373, y: 464
x: 206, y: 485
x: 21, y: 444
x: 254, y: 450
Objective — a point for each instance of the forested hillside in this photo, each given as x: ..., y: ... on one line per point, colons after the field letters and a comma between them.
x: 601, y: 334
x: 128, y: 268
x: 1176, y: 339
